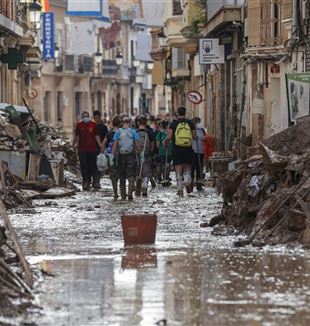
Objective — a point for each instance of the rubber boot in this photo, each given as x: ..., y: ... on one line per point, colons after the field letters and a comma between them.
x: 144, y: 186
x: 123, y: 188
x: 179, y: 184
x: 114, y: 186
x: 86, y: 186
x: 153, y: 183
x: 130, y: 189
x: 96, y: 182
x: 138, y: 187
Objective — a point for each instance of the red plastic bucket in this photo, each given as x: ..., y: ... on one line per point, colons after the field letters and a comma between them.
x: 139, y: 228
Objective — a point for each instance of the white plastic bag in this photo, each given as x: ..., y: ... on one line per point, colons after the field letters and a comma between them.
x: 102, y: 162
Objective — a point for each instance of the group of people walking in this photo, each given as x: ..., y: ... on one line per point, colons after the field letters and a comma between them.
x: 142, y: 152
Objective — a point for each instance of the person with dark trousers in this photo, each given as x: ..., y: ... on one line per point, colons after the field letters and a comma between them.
x: 182, y: 132
x: 102, y: 132
x: 86, y: 141
x: 198, y: 146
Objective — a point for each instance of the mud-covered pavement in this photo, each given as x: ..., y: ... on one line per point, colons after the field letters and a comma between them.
x: 189, y: 277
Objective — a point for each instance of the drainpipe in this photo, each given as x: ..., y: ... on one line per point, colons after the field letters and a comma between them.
x: 295, y: 22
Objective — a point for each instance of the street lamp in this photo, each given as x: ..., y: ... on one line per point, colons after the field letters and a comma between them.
x: 136, y: 63
x: 150, y: 65
x: 35, y: 13
x: 56, y: 53
x: 119, y: 59
x: 142, y: 65
x: 98, y: 57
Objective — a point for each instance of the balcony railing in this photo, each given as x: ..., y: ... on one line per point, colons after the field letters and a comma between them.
x: 85, y: 64
x: 214, y: 6
x: 109, y: 67
x: 177, y: 8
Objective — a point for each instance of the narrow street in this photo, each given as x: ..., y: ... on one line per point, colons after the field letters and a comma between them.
x: 189, y: 277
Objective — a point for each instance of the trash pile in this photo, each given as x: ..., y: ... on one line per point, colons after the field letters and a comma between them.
x: 267, y: 196
x: 33, y: 157
x: 16, y: 278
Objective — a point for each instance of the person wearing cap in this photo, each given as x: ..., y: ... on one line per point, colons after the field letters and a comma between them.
x: 86, y: 141
x: 102, y: 132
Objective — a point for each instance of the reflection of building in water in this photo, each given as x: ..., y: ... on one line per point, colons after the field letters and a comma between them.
x: 82, y: 290
x: 137, y: 293
x: 183, y: 279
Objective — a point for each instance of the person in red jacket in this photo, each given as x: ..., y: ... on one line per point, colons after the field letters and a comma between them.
x: 86, y: 140
x: 209, y: 149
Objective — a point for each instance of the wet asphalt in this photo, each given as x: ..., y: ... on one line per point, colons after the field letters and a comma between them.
x: 188, y: 277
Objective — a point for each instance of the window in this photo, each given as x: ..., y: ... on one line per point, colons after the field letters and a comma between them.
x: 47, y: 107
x: 78, y: 96
x: 60, y: 98
x: 176, y: 8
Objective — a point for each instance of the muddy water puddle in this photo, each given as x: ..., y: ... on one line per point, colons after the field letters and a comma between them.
x: 188, y: 277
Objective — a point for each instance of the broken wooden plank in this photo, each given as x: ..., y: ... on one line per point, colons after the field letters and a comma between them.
x: 13, y: 236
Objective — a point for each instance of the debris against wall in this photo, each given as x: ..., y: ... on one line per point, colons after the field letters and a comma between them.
x: 267, y: 196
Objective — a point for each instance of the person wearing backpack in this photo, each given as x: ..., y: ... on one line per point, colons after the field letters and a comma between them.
x: 164, y: 153
x: 199, y: 150
x: 126, y: 145
x: 182, y: 132
x: 112, y: 159
x: 147, y: 144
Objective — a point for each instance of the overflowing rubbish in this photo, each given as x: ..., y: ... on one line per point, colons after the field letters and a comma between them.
x: 33, y: 156
x: 267, y: 196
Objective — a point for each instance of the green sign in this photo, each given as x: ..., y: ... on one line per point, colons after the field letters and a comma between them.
x: 12, y: 58
x: 300, y: 77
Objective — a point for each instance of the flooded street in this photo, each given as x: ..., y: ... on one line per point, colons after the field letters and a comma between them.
x: 189, y: 277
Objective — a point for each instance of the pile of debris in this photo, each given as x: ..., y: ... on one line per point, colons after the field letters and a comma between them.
x: 16, y: 279
x: 33, y: 157
x: 267, y: 196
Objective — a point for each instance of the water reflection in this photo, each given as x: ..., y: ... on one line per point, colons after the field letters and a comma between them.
x: 143, y: 286
x: 139, y: 257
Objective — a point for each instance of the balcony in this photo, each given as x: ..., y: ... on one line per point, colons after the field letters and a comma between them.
x: 8, y: 21
x: 109, y: 68
x: 172, y: 29
x: 179, y: 63
x: 221, y: 14
x: 85, y: 64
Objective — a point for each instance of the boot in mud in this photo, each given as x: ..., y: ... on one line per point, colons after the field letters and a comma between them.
x: 114, y: 186
x: 123, y: 188
x: 145, y: 186
x: 179, y: 184
x: 153, y: 183
x: 138, y: 187
x: 130, y: 189
x: 86, y: 186
x: 96, y: 182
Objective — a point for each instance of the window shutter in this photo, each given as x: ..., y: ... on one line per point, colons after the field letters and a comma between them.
x: 254, y: 22
x: 287, y: 7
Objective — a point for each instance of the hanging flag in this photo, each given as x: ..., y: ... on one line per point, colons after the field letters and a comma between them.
x: 45, y: 5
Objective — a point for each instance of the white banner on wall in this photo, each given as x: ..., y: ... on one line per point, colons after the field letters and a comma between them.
x: 89, y: 8
x: 211, y: 52
x: 298, y: 95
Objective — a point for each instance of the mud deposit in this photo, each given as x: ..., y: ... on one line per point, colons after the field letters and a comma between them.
x: 189, y: 277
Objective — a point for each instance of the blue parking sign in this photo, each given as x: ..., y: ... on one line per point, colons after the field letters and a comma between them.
x: 48, y: 36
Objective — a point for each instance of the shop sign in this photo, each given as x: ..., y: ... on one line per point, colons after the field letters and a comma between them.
x: 211, y: 52
x: 48, y: 36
